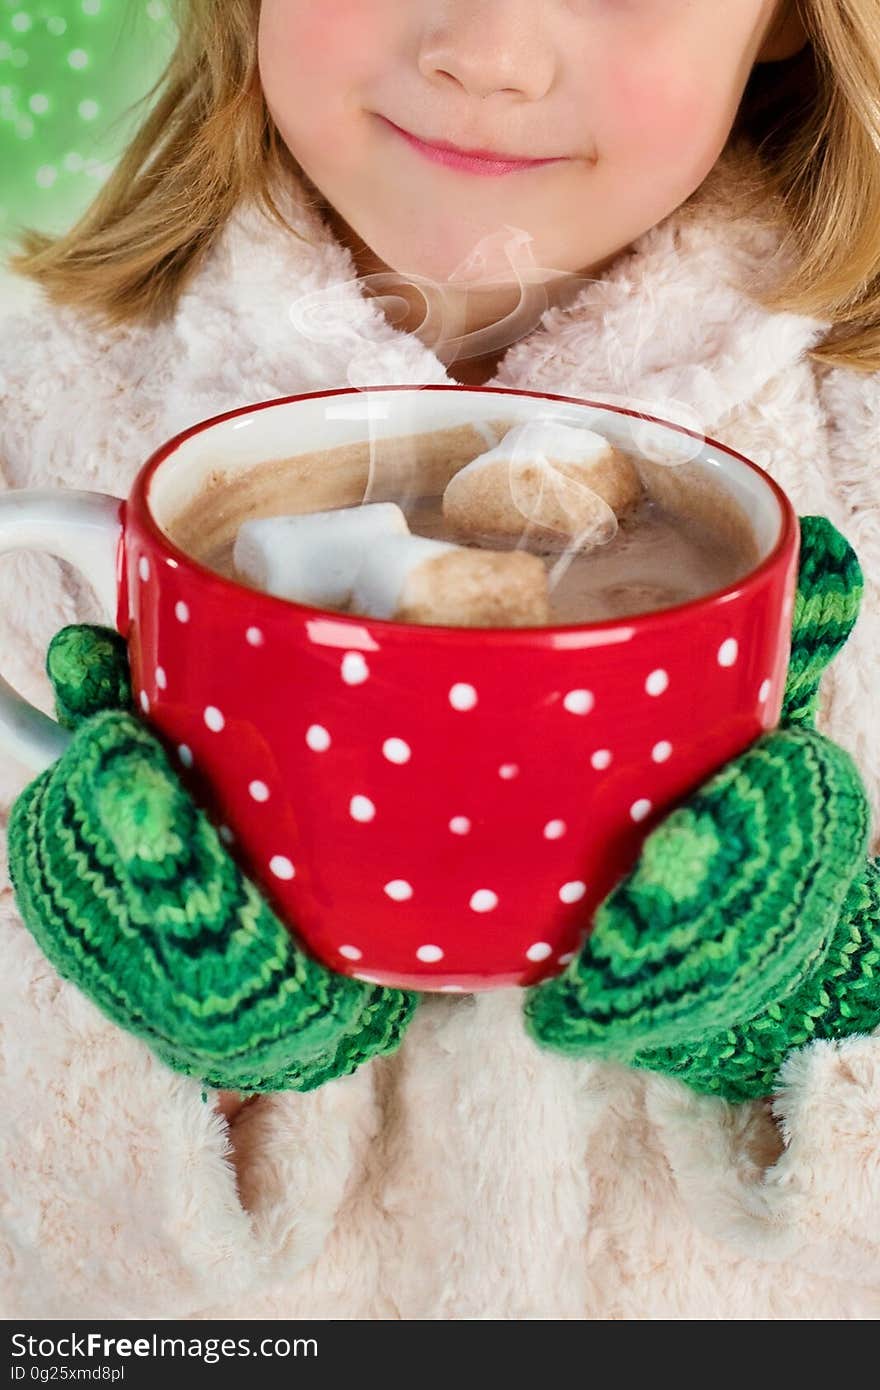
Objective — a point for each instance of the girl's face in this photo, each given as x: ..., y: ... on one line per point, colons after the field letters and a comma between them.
x: 625, y: 104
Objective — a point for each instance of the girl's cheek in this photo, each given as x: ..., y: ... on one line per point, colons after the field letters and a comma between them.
x: 336, y: 37
x: 650, y: 113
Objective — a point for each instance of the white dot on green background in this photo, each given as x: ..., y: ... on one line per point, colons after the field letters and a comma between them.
x: 85, y: 61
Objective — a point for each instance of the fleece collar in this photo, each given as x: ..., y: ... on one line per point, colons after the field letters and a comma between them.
x: 672, y: 324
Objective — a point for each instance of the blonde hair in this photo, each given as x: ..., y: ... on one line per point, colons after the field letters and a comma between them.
x: 209, y: 142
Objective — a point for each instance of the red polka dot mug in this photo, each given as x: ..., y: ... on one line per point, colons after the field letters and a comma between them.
x: 432, y: 808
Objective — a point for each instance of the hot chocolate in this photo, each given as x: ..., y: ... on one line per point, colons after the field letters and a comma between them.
x: 664, y: 535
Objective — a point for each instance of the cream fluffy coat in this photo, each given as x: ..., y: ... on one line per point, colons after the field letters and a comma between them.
x: 471, y: 1175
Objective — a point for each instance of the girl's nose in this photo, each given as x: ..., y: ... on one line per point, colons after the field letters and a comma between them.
x: 490, y: 46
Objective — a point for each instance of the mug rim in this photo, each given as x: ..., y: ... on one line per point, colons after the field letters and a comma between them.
x: 638, y: 622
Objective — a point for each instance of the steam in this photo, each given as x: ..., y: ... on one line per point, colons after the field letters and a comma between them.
x: 558, y: 491
x: 344, y: 314
x: 501, y: 261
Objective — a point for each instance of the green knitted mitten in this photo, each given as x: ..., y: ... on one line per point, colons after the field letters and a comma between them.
x: 751, y: 922
x: 131, y: 895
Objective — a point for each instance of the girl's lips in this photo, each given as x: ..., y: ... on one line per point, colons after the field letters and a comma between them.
x: 482, y: 162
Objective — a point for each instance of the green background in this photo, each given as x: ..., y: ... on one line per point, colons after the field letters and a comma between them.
x: 72, y: 73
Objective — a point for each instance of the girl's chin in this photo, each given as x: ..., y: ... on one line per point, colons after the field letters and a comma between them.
x: 462, y: 263
x: 444, y: 249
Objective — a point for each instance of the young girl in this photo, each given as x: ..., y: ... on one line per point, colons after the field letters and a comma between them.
x: 700, y: 186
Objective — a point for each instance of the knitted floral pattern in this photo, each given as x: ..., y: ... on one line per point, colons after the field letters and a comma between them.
x: 751, y: 923
x: 130, y: 893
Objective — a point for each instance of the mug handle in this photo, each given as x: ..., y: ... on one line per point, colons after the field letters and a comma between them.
x: 84, y: 528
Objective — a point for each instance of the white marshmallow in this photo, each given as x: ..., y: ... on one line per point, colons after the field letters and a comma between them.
x: 416, y: 580
x: 383, y: 575
x: 547, y: 438
x: 564, y: 484
x: 314, y: 558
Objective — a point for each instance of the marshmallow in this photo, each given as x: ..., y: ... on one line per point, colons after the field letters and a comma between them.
x: 562, y: 483
x: 415, y: 580
x: 314, y: 558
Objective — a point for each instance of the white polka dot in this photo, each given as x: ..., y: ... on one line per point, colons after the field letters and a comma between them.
x: 399, y: 890
x: 572, y: 892
x: 657, y: 682
x: 507, y: 772
x: 453, y: 989
x: 728, y: 652
x: 351, y: 952
x: 214, y: 719
x: 601, y: 759
x: 640, y: 809
x: 362, y: 809
x: 463, y: 697
x: 396, y: 751
x: 540, y: 951
x: 579, y: 701
x: 661, y: 751
x: 460, y: 825
x: 484, y: 900
x: 367, y: 979
x: 226, y: 835
x: 172, y: 564
x: 355, y: 669
x: 555, y: 829
x: 181, y: 611
x: 145, y: 702
x: 282, y: 867
x: 764, y: 692
x: 185, y: 755
x: 259, y: 791
x: 255, y: 637
x: 318, y: 738
x: 429, y: 954
x: 144, y: 568
x: 567, y: 958
x: 161, y: 678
